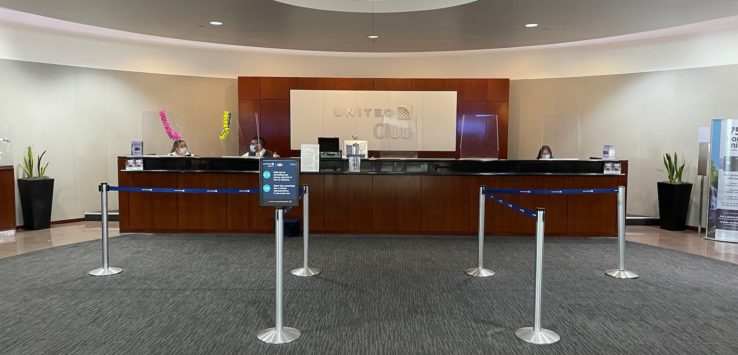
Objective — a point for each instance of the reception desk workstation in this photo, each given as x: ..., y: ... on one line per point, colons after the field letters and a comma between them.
x: 388, y: 196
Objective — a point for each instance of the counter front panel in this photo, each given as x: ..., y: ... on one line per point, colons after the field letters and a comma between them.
x: 386, y: 197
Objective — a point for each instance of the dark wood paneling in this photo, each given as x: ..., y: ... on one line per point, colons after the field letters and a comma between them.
x: 276, y: 129
x: 471, y: 131
x: 275, y: 125
x: 592, y: 215
x: 276, y: 88
x: 393, y: 84
x: 431, y: 84
x: 347, y: 201
x: 500, y: 220
x: 248, y: 88
x: 396, y: 204
x: 445, y: 204
x: 469, y: 89
x: 243, y: 211
x: 556, y: 205
x: 501, y: 109
x: 154, y: 212
x: 198, y: 212
x: 354, y: 84
x: 316, y: 83
x: 498, y: 90
x: 7, y: 198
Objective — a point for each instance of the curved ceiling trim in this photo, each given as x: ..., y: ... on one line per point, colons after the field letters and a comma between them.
x: 12, y: 16
x: 375, y: 6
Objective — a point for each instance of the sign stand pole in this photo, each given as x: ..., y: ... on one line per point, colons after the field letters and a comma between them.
x: 279, y: 334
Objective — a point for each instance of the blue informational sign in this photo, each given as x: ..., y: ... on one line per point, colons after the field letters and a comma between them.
x: 279, y: 182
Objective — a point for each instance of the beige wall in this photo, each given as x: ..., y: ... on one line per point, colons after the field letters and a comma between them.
x: 84, y: 118
x: 643, y: 115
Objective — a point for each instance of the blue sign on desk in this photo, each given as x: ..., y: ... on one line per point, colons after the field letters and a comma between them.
x: 279, y: 182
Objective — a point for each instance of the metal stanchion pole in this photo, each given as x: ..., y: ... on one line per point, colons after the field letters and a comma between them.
x: 305, y: 270
x: 279, y: 334
x: 621, y: 272
x: 480, y: 271
x: 536, y: 334
x: 105, y: 270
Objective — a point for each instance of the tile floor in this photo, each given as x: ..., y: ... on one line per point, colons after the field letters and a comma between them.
x: 686, y: 241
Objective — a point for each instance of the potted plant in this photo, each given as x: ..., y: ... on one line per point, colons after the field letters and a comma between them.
x: 673, y: 196
x: 36, y: 191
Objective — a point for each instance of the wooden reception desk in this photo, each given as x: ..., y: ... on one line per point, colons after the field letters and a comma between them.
x: 388, y: 196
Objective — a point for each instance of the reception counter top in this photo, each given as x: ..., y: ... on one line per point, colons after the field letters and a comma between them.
x: 388, y: 196
x: 386, y: 166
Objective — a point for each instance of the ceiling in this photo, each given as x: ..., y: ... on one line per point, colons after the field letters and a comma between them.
x: 482, y: 24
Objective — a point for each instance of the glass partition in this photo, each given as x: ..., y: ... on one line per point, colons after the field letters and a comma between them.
x: 563, y: 134
x: 398, y: 135
x: 479, y: 137
x: 155, y: 139
x: 6, y: 154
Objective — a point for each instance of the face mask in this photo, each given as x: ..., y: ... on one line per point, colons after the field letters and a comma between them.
x: 545, y: 156
x: 182, y: 151
x: 252, y: 148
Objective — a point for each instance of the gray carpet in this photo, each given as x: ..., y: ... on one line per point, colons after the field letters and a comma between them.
x: 398, y: 295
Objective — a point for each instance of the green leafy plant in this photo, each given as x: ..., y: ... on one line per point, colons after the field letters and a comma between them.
x: 673, y: 170
x: 31, y: 165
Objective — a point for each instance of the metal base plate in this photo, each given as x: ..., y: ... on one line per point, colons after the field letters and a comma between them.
x: 271, y: 336
x: 106, y: 272
x: 542, y: 337
x: 310, y: 271
x: 621, y: 274
x: 479, y: 272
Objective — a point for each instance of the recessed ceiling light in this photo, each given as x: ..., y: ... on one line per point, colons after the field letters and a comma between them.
x: 372, y: 36
x: 216, y: 23
x: 531, y: 25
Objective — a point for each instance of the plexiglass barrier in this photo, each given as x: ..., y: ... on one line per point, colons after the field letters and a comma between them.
x: 562, y: 133
x: 479, y: 137
x: 6, y: 154
x: 398, y: 135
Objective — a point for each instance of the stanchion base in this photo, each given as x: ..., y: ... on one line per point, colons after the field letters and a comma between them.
x: 621, y: 274
x: 105, y: 272
x: 542, y: 337
x: 271, y: 336
x: 479, y: 272
x: 310, y: 271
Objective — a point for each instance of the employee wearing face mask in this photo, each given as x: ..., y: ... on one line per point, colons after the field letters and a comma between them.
x: 179, y: 149
x: 545, y: 153
x: 258, y: 149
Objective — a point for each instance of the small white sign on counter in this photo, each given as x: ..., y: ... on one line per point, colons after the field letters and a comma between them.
x: 309, y: 157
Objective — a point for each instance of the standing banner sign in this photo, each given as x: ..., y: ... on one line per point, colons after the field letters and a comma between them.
x: 279, y: 182
x: 723, y: 211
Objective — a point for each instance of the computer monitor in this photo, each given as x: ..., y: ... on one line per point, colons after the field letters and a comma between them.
x: 329, y: 144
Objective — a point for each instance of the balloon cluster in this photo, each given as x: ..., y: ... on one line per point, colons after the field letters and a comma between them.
x: 226, y: 125
x: 173, y: 135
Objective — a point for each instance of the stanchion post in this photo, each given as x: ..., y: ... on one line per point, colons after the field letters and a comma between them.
x: 279, y: 334
x: 621, y: 272
x: 480, y: 271
x: 536, y: 334
x: 305, y: 270
x: 105, y: 270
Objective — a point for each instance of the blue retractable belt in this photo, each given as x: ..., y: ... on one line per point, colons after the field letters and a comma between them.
x: 492, y: 192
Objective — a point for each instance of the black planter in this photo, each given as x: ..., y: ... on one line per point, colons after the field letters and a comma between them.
x: 673, y: 205
x: 36, y: 196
